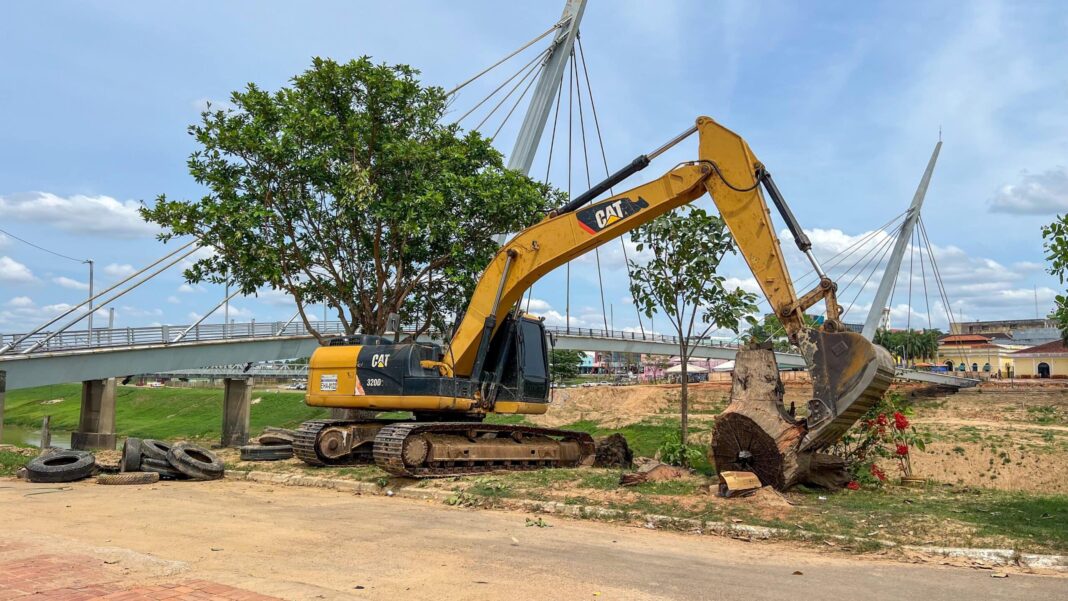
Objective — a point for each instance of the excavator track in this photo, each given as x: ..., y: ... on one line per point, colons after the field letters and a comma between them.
x: 392, y: 454
x: 307, y: 438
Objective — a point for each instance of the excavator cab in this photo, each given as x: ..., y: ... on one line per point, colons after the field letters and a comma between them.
x: 517, y: 364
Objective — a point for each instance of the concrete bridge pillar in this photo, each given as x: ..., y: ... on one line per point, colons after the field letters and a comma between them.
x: 237, y: 401
x: 96, y: 426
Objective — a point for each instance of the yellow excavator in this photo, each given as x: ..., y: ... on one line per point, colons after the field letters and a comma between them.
x: 496, y: 362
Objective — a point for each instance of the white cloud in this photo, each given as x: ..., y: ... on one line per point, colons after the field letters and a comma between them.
x: 20, y: 301
x: 13, y: 271
x: 70, y: 283
x: 1043, y: 193
x: 190, y: 288
x: 96, y: 215
x: 174, y: 300
x: 119, y: 271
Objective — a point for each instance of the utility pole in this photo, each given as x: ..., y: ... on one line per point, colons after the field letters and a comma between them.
x: 886, y: 286
x: 541, y: 103
x: 226, y: 312
x: 91, y: 309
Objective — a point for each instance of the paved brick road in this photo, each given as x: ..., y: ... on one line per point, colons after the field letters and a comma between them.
x: 26, y: 572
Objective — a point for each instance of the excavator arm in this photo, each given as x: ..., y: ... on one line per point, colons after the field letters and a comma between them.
x: 845, y: 367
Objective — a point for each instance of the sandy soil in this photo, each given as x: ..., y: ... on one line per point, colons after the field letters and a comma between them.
x: 991, y: 436
x: 298, y: 543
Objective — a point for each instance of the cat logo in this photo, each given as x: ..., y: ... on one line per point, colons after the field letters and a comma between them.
x: 596, y: 217
x: 380, y: 360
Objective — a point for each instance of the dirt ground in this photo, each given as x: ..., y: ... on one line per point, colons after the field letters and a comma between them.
x: 299, y: 543
x: 994, y: 436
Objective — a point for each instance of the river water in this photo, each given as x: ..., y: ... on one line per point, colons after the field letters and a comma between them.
x: 21, y: 435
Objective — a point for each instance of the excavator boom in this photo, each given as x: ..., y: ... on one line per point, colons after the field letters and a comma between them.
x: 497, y: 362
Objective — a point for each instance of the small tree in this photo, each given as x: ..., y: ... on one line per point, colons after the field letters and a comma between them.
x: 564, y: 365
x: 1056, y: 246
x: 681, y: 279
x: 349, y: 188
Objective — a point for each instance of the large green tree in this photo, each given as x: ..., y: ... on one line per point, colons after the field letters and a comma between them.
x: 346, y: 187
x: 681, y: 279
x: 1055, y: 236
x: 564, y: 365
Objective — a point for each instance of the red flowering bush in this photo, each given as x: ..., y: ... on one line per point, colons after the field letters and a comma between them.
x: 873, y: 439
x: 853, y: 485
x: 900, y: 421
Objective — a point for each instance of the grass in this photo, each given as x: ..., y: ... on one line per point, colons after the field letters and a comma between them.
x: 164, y: 413
x: 646, y: 437
x: 943, y: 515
x: 11, y: 462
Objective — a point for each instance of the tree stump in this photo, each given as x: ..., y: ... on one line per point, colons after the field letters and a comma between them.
x: 757, y: 434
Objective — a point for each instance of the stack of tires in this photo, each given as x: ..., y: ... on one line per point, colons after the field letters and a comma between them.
x: 273, y: 445
x: 61, y: 466
x: 146, y: 461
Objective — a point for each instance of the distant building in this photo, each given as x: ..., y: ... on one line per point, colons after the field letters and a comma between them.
x: 975, y: 354
x: 1043, y: 361
x: 1006, y: 326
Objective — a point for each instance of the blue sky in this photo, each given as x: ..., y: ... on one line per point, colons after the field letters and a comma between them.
x: 843, y: 101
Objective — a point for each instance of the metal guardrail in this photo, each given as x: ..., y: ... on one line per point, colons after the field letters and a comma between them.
x: 104, y: 338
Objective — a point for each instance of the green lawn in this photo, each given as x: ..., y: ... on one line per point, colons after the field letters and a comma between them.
x: 164, y: 413
x: 11, y: 462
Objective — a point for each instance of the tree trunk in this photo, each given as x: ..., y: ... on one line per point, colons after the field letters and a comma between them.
x: 756, y: 433
x: 684, y: 405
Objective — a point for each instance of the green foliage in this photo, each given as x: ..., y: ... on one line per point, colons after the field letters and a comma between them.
x: 674, y: 452
x: 1056, y: 247
x: 564, y: 364
x: 771, y: 328
x: 682, y: 280
x: 914, y: 345
x: 884, y: 434
x: 347, y: 187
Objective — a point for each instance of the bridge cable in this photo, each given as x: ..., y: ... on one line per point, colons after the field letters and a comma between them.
x: 937, y: 274
x: 604, y: 160
x: 570, y: 112
x: 923, y: 278
x: 549, y: 163
x: 132, y: 276
x: 835, y: 261
x: 534, y: 67
x: 541, y: 67
x: 887, y: 249
x: 589, y: 183
x: 515, y: 52
x: 121, y: 293
x: 500, y: 87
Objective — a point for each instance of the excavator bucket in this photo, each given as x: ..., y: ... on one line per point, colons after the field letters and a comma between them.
x: 849, y: 375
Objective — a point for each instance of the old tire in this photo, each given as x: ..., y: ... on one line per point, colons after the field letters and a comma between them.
x: 61, y: 466
x: 163, y: 467
x: 131, y: 455
x: 275, y: 439
x: 126, y: 478
x: 256, y: 452
x: 195, y: 462
x: 154, y: 449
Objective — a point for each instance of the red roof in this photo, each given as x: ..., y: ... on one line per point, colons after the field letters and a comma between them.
x: 964, y: 339
x: 1056, y: 347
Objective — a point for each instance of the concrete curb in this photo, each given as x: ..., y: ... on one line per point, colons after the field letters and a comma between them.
x: 987, y: 557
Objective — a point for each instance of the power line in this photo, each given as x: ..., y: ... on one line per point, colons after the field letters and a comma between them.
x: 52, y: 252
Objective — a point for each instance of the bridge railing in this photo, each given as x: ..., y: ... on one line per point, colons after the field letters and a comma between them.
x: 162, y: 334
x: 102, y: 338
